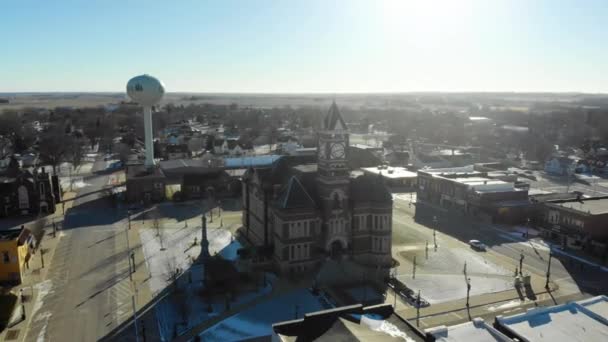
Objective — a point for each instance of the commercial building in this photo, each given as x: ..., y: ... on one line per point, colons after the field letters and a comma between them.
x: 396, y: 178
x: 304, y: 212
x: 471, y: 192
x: 15, y: 246
x: 585, y: 320
x: 576, y: 222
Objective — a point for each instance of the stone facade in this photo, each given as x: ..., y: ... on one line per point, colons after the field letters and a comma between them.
x: 305, y: 212
x: 26, y: 193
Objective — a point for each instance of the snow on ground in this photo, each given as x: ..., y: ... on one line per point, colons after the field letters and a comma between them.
x: 44, y: 289
x: 406, y: 196
x: 546, y: 246
x: 230, y: 251
x: 179, y: 249
x: 507, y: 305
x: 439, y: 288
x: 186, y: 309
x: 378, y: 324
x: 257, y: 321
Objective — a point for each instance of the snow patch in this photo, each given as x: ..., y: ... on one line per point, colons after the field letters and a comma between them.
x: 507, y: 305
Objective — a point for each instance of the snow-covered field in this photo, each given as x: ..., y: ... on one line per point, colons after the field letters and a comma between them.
x: 178, y: 250
x: 438, y: 288
x: 181, y: 311
x: 185, y: 308
x: 257, y: 321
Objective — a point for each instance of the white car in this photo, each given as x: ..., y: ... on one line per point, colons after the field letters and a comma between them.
x: 478, y: 245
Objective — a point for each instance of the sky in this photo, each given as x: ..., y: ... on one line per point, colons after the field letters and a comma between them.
x: 309, y: 46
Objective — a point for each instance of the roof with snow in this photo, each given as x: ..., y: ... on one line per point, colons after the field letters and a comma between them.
x: 349, y: 323
x: 585, y: 320
x: 476, y: 331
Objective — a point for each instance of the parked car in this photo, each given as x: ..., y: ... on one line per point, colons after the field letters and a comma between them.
x: 478, y: 245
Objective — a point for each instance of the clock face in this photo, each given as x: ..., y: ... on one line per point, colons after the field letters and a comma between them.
x: 337, y: 151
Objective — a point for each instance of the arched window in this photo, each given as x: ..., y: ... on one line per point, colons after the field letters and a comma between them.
x: 337, y: 201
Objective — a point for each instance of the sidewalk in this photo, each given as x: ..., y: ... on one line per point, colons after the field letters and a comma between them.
x: 36, y: 274
x: 478, y: 305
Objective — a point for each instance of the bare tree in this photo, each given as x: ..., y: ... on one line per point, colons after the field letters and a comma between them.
x: 172, y: 271
x: 160, y: 233
x: 76, y: 153
x: 54, y: 146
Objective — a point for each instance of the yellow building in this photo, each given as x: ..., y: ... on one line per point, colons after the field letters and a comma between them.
x: 15, y: 246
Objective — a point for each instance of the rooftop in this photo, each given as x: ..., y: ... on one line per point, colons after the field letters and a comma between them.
x: 475, y: 331
x: 349, y: 323
x: 252, y: 161
x: 390, y: 172
x: 592, y: 206
x: 10, y: 234
x: 577, y: 321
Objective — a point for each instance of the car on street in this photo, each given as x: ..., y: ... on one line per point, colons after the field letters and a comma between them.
x: 477, y: 245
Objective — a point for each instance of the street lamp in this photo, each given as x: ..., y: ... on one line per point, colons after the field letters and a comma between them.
x: 521, y: 262
x: 468, y: 290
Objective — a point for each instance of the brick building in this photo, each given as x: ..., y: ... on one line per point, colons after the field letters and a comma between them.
x: 304, y: 212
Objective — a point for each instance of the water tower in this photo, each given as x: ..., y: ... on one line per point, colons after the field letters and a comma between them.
x: 147, y: 91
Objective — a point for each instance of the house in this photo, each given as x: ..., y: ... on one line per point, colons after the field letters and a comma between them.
x: 305, y: 212
x: 25, y: 193
x: 219, y: 145
x: 16, y: 246
x: 560, y: 166
x: 234, y: 147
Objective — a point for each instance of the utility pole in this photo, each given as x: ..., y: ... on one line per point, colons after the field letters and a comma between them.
x: 129, y: 249
x: 41, y: 256
x: 465, y: 268
x: 418, y: 309
x: 129, y: 218
x: 426, y: 250
x: 135, y: 317
x: 414, y: 273
x: 521, y: 262
x: 548, y: 270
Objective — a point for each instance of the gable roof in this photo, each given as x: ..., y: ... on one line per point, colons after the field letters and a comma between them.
x: 295, y: 196
x: 333, y: 120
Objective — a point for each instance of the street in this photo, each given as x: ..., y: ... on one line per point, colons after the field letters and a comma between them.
x: 87, y: 291
x: 440, y: 272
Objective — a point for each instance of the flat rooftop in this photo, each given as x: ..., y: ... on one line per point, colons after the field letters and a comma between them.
x: 567, y: 322
x: 475, y: 331
x: 593, y: 206
x: 391, y: 172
